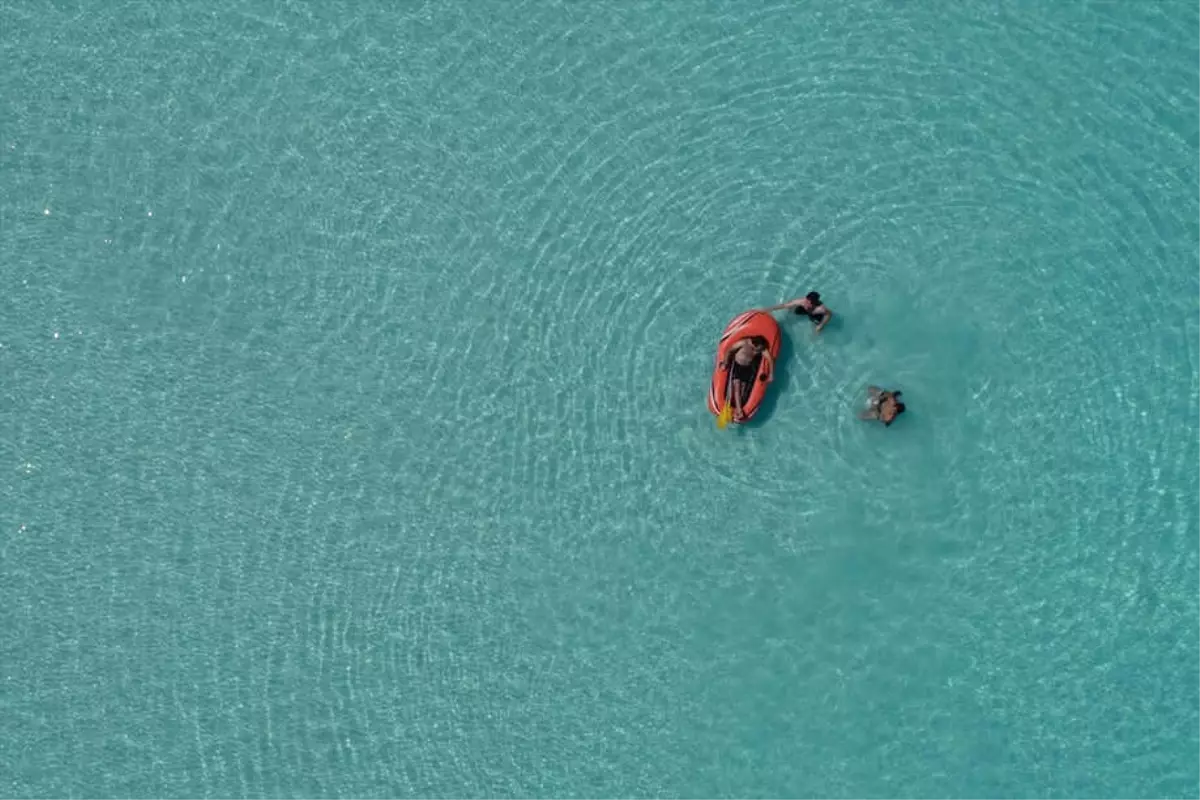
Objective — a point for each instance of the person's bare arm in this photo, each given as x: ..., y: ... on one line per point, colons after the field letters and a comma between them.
x: 824, y: 320
x: 730, y: 353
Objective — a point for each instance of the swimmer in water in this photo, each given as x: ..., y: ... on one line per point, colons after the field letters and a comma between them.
x: 808, y: 306
x: 883, y: 405
x: 742, y: 363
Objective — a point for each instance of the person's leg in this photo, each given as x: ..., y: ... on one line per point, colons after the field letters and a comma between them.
x: 739, y: 391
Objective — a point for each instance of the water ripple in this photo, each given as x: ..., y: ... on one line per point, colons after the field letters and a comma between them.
x: 381, y: 439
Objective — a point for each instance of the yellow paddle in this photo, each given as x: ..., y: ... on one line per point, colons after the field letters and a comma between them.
x: 727, y: 410
x: 726, y: 415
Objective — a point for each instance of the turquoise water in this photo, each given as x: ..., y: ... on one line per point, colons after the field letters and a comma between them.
x: 353, y: 363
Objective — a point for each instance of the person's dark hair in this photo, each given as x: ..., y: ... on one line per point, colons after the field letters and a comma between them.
x: 814, y: 298
x: 899, y: 407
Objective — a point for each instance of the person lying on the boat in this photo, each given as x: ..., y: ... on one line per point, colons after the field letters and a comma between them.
x: 882, y: 405
x: 742, y: 362
x: 808, y: 306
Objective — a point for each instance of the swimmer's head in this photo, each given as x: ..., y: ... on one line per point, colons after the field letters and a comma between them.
x: 814, y: 298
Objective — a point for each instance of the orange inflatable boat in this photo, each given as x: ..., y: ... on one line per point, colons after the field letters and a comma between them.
x: 749, y: 324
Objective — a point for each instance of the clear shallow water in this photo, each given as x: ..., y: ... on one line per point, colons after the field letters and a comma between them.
x: 371, y: 456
